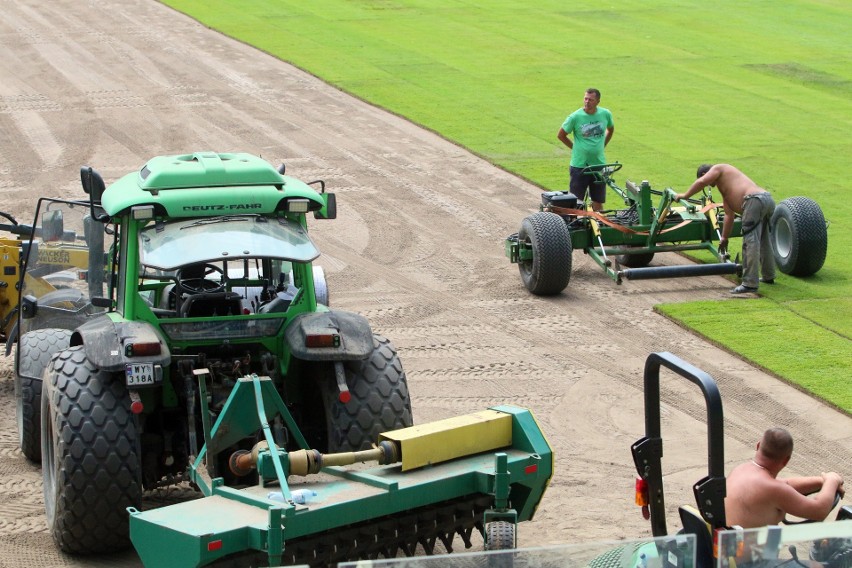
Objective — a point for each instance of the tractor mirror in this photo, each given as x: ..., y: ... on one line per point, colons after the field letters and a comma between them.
x: 52, y: 226
x: 330, y: 209
x: 93, y: 185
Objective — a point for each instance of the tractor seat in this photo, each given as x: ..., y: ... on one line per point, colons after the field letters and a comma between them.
x: 694, y: 523
x: 212, y: 304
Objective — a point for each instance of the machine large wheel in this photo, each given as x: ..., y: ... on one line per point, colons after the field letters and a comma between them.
x: 549, y: 270
x: 90, y: 455
x: 639, y: 260
x: 379, y: 400
x: 37, y: 348
x: 799, y: 236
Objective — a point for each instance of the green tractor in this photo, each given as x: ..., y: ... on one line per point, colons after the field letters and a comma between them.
x: 196, y: 345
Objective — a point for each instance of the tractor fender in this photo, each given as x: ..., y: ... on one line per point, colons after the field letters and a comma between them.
x: 354, y: 343
x: 104, y: 342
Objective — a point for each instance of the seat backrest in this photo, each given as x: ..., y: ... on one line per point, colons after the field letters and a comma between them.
x: 694, y: 523
x: 213, y: 304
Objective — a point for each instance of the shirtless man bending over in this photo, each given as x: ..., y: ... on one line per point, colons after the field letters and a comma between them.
x: 756, y: 497
x: 741, y: 196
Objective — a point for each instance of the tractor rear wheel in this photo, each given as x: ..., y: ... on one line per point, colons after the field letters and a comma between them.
x: 379, y: 400
x: 799, y: 236
x: 37, y: 347
x: 90, y: 455
x: 549, y: 270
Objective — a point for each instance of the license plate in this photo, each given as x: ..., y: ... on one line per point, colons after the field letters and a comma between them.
x: 139, y: 374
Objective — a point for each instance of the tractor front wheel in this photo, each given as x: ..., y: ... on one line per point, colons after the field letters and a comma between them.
x: 799, y: 236
x: 90, y: 455
x: 32, y: 356
x: 379, y: 400
x: 549, y: 270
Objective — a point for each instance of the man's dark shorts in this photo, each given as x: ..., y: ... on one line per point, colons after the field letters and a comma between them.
x: 581, y: 183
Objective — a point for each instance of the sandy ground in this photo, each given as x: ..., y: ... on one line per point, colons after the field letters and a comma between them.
x: 417, y: 248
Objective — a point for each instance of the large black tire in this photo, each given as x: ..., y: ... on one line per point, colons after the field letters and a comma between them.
x: 549, y: 270
x: 799, y: 236
x: 90, y: 455
x: 37, y: 348
x: 379, y: 400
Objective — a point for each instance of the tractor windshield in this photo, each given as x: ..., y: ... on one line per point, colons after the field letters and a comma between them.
x: 167, y: 246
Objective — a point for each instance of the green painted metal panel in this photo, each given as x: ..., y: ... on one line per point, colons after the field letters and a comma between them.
x: 207, y: 184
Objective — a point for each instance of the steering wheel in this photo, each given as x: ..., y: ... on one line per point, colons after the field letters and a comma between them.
x: 837, y: 497
x: 192, y: 279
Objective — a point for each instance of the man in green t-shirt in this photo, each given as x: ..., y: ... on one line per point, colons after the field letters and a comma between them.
x: 591, y: 127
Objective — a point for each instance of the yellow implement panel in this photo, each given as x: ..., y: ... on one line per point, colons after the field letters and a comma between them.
x: 444, y: 440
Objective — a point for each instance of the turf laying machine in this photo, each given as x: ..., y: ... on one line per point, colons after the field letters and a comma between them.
x: 195, y: 344
x: 623, y: 242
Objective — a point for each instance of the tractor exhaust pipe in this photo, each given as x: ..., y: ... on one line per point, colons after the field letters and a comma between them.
x: 649, y: 273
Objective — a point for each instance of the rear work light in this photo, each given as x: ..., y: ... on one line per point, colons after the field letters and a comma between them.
x: 142, y: 212
x: 298, y: 206
x: 322, y: 340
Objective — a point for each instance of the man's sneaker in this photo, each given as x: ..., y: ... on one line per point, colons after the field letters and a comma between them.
x: 741, y: 289
x: 768, y: 280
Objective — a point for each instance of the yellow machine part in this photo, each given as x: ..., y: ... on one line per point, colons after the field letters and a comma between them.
x: 444, y: 440
x: 10, y: 253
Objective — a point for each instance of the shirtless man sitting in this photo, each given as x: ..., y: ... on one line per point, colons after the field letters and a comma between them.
x: 756, y: 497
x: 741, y: 196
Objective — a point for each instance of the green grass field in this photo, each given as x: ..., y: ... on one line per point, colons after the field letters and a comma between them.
x: 764, y: 85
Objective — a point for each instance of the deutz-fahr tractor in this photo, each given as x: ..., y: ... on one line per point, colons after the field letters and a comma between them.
x: 194, y: 343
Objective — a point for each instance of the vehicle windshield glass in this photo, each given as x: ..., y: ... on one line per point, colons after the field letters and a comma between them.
x: 166, y: 246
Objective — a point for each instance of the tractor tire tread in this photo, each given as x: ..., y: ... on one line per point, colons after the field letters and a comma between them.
x: 549, y: 271
x: 96, y: 460
x: 379, y: 400
x: 33, y: 353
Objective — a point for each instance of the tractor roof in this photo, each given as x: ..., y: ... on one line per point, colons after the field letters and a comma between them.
x: 207, y: 183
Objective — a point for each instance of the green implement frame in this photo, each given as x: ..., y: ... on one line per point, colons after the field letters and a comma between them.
x: 622, y: 242
x: 349, y: 513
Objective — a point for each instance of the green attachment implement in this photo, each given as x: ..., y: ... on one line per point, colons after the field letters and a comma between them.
x: 341, y: 510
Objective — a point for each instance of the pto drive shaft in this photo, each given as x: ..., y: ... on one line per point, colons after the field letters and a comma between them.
x: 306, y: 462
